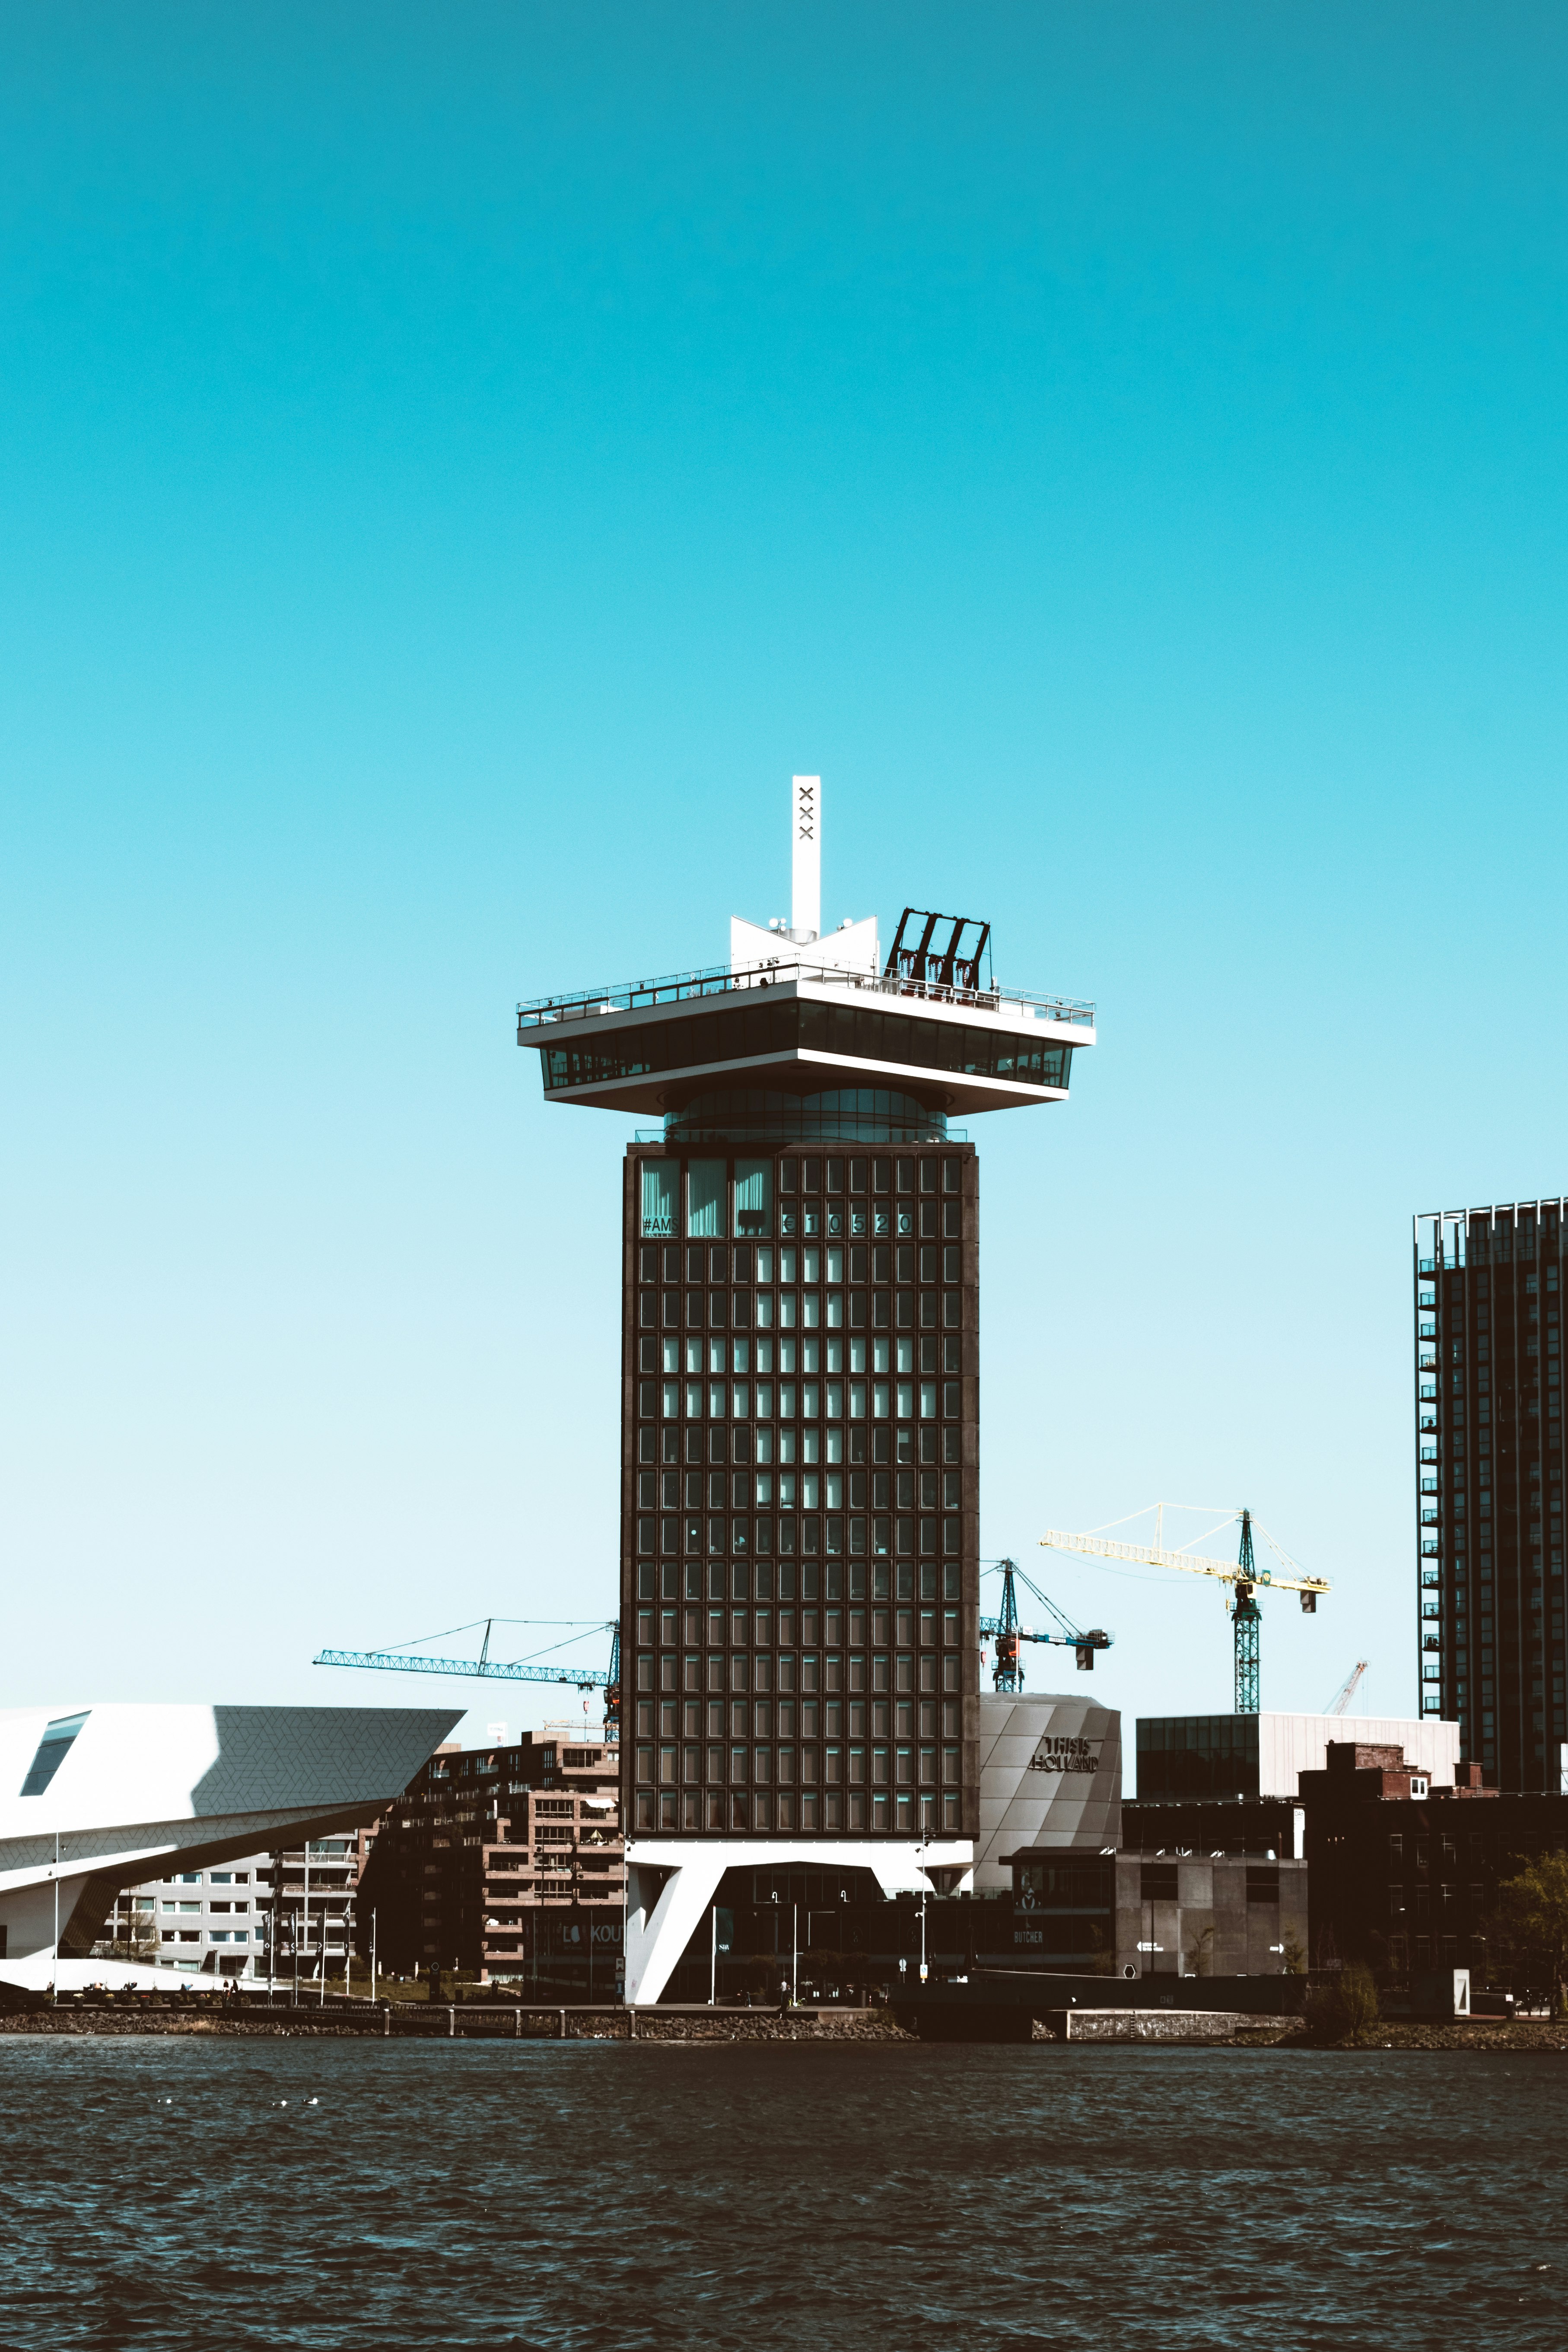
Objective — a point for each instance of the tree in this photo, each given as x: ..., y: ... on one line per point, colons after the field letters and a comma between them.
x: 1200, y: 1953
x: 1534, y: 1910
x: 1345, y: 2008
x: 1295, y: 1957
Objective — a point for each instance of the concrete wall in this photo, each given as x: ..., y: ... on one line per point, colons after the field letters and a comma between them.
x: 1210, y: 1928
x: 1290, y: 1744
x: 1050, y: 1776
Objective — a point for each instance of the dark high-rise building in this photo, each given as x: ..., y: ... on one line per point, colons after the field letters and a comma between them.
x: 800, y: 1420
x: 1490, y: 1480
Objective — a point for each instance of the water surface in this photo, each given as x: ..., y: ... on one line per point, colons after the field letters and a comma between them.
x: 232, y: 2195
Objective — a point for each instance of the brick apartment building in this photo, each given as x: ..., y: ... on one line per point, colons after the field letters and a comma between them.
x: 506, y: 1862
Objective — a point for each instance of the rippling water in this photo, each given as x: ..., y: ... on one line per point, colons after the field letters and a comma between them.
x: 582, y: 2194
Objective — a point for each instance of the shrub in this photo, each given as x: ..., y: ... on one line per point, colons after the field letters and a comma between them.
x: 1344, y: 2009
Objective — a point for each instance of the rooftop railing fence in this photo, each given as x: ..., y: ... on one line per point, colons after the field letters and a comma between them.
x: 679, y: 987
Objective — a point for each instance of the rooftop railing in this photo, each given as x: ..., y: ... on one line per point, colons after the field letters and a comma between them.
x: 676, y: 987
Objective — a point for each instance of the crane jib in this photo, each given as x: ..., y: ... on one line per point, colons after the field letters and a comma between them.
x: 478, y: 1669
x: 1228, y: 1571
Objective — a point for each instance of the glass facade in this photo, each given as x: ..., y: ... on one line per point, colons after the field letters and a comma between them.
x: 800, y: 1452
x: 843, y: 1115
x: 790, y: 1026
x: 1197, y: 1756
x: 1488, y: 1476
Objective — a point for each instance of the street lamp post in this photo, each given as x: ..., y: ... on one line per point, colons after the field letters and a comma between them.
x: 924, y: 1884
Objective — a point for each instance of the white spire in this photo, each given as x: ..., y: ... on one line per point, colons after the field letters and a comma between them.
x: 805, y: 818
x: 852, y: 948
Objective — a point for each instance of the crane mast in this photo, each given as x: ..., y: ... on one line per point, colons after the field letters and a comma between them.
x: 1248, y: 1624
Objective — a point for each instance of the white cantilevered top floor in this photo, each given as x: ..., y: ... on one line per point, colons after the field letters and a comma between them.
x: 803, y: 1024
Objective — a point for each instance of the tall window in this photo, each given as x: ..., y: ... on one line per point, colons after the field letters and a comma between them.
x: 705, y: 1199
x: 753, y: 1197
x: 658, y: 1182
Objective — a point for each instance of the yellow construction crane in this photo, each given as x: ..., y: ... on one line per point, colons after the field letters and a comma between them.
x: 1243, y: 1575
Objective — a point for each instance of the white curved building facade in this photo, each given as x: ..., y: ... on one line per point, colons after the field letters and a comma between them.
x: 1050, y: 1780
x: 94, y: 1799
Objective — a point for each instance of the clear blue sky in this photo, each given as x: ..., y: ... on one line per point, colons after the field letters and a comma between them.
x: 458, y: 463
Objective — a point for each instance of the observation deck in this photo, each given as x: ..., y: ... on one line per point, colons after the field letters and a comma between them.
x: 800, y: 1025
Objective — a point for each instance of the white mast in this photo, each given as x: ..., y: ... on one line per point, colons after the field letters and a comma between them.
x: 806, y: 902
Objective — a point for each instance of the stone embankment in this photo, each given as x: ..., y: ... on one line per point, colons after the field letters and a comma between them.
x: 463, y: 2022
x: 1111, y: 2029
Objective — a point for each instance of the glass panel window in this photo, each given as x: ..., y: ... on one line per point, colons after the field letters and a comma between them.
x: 740, y: 1356
x: 52, y: 1750
x: 658, y: 1181
x: 753, y: 1197
x: 705, y: 1184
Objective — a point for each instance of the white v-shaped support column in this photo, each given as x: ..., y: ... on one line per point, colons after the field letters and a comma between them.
x: 671, y: 1881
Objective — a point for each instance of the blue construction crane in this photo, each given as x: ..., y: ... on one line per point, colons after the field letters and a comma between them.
x: 488, y: 1669
x: 1008, y: 1632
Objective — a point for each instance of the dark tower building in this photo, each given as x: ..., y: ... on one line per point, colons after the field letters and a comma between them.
x: 1489, y: 1479
x: 800, y: 1415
